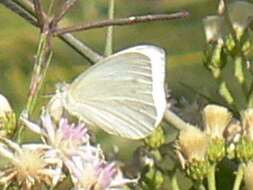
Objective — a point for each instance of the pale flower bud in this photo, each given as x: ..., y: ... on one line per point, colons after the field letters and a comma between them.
x: 216, y: 119
x: 214, y: 28
x: 248, y: 173
x: 7, y: 117
x: 241, y: 14
x: 4, y: 105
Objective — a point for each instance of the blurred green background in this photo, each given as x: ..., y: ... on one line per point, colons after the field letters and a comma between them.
x: 182, y: 39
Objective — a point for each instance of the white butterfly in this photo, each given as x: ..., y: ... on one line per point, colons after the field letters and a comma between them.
x: 123, y: 94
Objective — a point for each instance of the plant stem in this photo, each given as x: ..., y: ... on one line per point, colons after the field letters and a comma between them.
x: 174, y: 120
x: 211, y: 177
x: 199, y: 186
x: 121, y: 22
x: 109, y: 34
x: 42, y: 61
x: 81, y: 48
x: 238, y: 178
x: 174, y: 182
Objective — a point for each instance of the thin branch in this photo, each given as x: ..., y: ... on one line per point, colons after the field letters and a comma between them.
x: 39, y: 13
x: 81, y: 48
x: 121, y: 22
x: 65, y: 8
x: 20, y: 11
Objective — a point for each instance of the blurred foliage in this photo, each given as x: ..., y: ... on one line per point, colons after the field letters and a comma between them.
x: 182, y: 39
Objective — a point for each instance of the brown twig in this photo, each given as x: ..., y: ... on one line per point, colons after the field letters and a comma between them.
x: 39, y: 13
x: 121, y: 22
x: 65, y: 8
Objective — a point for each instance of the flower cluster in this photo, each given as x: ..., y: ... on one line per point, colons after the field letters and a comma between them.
x: 196, y: 147
x: 64, y: 145
x: 223, y: 136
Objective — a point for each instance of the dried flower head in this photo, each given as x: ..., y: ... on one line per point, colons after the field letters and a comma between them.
x: 29, y: 165
x: 216, y: 119
x: 248, y: 173
x: 192, y: 144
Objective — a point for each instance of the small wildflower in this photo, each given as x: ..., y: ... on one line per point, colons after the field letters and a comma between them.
x: 192, y: 147
x: 193, y: 143
x: 248, y: 173
x: 7, y: 118
x: 29, y: 165
x: 66, y: 138
x: 216, y: 119
x: 91, y: 171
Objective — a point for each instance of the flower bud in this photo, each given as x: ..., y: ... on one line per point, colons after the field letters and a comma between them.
x: 241, y: 14
x: 248, y: 173
x: 215, y: 58
x: 214, y: 28
x: 156, y: 139
x: 7, y: 118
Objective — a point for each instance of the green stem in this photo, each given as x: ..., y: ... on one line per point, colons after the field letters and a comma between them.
x: 174, y: 120
x: 174, y: 182
x: 211, y: 177
x: 109, y: 34
x: 43, y: 58
x: 238, y: 178
x: 198, y: 186
x: 42, y: 61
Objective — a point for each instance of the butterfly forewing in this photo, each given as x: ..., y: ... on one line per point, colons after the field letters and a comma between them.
x: 117, y: 95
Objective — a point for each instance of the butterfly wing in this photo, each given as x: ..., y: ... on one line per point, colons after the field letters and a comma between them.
x: 122, y: 94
